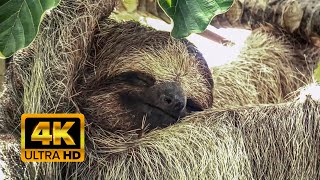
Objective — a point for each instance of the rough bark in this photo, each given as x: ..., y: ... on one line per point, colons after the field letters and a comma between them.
x: 300, y: 17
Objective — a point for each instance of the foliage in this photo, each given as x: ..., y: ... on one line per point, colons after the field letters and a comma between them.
x: 19, y: 23
x: 192, y: 16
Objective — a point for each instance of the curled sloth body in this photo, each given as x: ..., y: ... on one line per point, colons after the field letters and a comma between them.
x: 128, y: 79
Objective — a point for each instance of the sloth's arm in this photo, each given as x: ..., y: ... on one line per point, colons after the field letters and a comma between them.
x: 279, y: 140
x: 264, y: 141
x: 271, y: 141
x: 282, y: 140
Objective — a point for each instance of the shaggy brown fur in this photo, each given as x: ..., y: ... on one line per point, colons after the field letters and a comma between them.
x: 73, y: 66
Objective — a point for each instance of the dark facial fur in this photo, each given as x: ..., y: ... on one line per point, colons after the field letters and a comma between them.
x: 140, y: 78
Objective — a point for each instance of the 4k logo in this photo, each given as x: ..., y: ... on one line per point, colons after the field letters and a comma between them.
x: 52, y: 138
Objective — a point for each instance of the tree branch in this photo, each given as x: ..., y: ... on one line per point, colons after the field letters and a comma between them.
x: 216, y: 38
x: 300, y: 17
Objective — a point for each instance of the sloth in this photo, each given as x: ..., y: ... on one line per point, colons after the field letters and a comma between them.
x: 133, y: 84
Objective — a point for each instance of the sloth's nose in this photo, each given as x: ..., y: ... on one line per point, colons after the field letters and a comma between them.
x: 171, y: 98
x: 172, y: 102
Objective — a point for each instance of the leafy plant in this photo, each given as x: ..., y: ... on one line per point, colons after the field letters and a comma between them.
x: 20, y: 19
x: 19, y: 23
x: 192, y: 16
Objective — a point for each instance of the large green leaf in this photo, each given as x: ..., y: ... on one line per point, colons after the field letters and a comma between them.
x: 19, y: 23
x: 192, y: 16
x: 317, y: 74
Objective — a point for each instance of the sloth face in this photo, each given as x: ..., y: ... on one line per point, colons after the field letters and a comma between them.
x: 146, y: 85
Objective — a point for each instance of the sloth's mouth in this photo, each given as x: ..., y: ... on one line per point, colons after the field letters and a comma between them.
x: 157, y: 117
x: 150, y: 114
x: 161, y: 110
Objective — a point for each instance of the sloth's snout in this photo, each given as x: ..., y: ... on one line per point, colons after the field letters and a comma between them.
x: 171, y: 102
x: 169, y: 97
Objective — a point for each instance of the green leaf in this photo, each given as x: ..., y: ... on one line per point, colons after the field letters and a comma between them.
x: 19, y: 22
x: 317, y: 74
x: 192, y: 16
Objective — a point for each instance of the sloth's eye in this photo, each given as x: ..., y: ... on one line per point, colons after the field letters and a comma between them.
x: 192, y: 106
x: 137, y: 79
